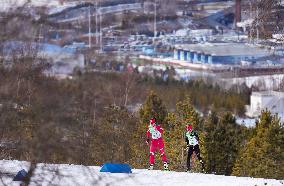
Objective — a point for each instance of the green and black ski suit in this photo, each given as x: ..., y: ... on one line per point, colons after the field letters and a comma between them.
x: 192, y: 140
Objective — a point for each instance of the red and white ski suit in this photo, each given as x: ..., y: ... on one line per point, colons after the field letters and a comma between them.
x: 156, y: 142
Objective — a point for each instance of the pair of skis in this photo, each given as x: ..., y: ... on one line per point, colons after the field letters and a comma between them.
x: 166, y: 168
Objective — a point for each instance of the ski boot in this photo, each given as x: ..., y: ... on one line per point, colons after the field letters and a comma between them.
x: 188, y: 170
x: 202, y: 166
x: 166, y: 166
x: 151, y: 167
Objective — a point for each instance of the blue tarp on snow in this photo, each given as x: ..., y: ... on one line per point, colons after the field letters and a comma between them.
x: 20, y: 175
x: 116, y: 168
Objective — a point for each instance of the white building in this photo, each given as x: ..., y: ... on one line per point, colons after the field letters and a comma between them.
x: 270, y: 100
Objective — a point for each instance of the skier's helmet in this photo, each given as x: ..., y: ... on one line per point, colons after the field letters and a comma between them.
x: 189, y: 127
x: 153, y: 121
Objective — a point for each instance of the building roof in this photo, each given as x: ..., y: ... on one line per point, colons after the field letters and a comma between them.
x: 225, y: 49
x: 268, y: 93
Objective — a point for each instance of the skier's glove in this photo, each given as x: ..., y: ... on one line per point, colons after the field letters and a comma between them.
x: 187, y: 147
x: 148, y: 141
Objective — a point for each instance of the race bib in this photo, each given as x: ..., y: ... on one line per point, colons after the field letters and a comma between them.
x: 156, y: 134
x: 191, y: 139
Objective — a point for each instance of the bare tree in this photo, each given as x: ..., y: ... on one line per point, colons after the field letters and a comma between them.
x: 266, y: 15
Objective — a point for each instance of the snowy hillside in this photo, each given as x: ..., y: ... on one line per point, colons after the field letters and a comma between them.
x: 53, y: 5
x: 33, y: 2
x: 81, y: 175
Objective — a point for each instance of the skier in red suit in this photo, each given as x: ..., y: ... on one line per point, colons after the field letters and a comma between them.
x: 154, y: 133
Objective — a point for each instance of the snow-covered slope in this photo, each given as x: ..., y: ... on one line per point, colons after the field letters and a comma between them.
x: 32, y: 2
x: 53, y: 6
x: 81, y: 175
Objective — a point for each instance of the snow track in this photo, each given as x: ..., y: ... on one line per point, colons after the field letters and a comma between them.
x: 64, y: 174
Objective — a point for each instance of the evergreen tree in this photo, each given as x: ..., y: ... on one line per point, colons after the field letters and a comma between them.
x: 115, y: 131
x: 210, y: 142
x: 153, y: 107
x: 185, y: 113
x: 175, y: 142
x: 222, y: 141
x: 263, y: 155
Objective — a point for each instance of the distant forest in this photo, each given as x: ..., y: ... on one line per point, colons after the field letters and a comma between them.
x: 97, y: 117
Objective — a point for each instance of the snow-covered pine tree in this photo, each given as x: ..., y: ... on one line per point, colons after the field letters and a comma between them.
x: 263, y: 155
x: 185, y: 113
x: 152, y: 107
x: 222, y: 143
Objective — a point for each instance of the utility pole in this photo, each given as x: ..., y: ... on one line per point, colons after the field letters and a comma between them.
x: 90, y: 39
x: 257, y: 22
x: 155, y: 19
x: 251, y: 27
x: 40, y: 35
x: 101, y: 34
x: 238, y: 13
x: 97, y: 39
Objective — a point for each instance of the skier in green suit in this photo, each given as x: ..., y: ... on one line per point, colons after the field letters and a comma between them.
x: 192, y: 141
